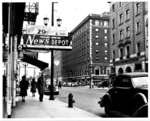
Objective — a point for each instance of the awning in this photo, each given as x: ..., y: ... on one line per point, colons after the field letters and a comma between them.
x: 33, y: 61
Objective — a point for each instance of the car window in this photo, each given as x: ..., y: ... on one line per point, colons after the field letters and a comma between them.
x: 122, y: 82
x: 140, y: 82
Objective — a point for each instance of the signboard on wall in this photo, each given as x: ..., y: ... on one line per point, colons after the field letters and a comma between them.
x: 46, y: 42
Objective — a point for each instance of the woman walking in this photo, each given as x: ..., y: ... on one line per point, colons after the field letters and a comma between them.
x: 33, y: 87
x: 23, y: 88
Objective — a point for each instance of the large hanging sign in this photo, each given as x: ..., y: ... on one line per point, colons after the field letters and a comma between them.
x: 46, y: 42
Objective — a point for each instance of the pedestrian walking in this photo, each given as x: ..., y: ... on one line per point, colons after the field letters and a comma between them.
x: 59, y: 84
x: 40, y: 87
x: 33, y: 87
x: 23, y: 88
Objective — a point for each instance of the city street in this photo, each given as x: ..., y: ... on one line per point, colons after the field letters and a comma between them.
x: 85, y: 98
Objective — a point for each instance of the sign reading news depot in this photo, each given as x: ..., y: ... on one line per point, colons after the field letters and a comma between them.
x: 46, y: 40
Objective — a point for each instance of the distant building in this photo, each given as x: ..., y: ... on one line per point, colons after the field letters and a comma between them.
x: 128, y: 37
x: 88, y: 62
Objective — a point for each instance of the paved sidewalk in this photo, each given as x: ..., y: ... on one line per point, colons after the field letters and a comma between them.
x: 33, y: 108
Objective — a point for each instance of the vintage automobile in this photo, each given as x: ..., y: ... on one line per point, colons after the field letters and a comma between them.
x: 128, y: 95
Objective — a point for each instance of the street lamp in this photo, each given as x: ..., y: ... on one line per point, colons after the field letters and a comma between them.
x: 46, y: 20
x: 59, y: 22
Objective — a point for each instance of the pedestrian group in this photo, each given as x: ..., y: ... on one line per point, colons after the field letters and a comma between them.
x: 39, y: 85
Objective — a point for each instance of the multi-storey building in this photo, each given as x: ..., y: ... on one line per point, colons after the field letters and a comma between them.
x: 88, y: 62
x: 127, y: 35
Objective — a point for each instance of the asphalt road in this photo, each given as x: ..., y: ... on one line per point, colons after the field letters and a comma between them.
x: 85, y: 98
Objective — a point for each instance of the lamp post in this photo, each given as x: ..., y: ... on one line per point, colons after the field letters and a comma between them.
x: 52, y: 59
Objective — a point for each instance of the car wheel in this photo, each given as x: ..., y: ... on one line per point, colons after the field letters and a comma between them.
x: 138, y: 101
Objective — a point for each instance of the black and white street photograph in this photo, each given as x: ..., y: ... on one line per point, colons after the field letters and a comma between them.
x: 74, y: 60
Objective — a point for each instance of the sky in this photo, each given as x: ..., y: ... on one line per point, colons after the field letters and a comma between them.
x: 72, y: 12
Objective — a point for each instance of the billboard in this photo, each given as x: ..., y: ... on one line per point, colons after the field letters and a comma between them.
x: 46, y: 42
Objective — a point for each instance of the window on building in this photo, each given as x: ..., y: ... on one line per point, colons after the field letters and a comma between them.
x: 103, y: 70
x: 105, y: 37
x: 121, y: 53
x: 113, y: 7
x: 97, y: 43
x: 113, y: 23
x: 113, y: 39
x: 96, y: 36
x: 127, y: 14
x: 97, y: 70
x: 101, y: 23
x: 106, y: 44
x: 128, y: 31
x: 138, y: 47
x: 96, y: 22
x: 105, y: 23
x: 138, y: 27
x: 97, y: 58
x: 128, y: 51
x: 96, y: 29
x: 105, y: 31
x: 137, y: 8
x: 114, y: 55
x: 97, y: 51
x: 121, y: 34
x: 120, y: 4
x: 121, y: 18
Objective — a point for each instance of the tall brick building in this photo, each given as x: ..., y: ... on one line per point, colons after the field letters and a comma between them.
x: 128, y: 37
x: 88, y: 62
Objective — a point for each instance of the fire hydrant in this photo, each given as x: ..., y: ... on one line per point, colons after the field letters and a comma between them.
x: 70, y: 100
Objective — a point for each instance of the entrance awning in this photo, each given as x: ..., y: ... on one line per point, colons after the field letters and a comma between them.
x: 33, y: 61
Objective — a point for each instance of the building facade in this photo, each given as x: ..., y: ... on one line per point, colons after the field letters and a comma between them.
x: 128, y: 38
x: 88, y: 61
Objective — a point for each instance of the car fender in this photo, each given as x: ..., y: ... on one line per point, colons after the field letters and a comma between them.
x: 106, y: 100
x: 139, y: 100
x: 142, y: 111
x: 141, y: 96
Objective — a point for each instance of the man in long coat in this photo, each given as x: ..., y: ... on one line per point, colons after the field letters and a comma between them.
x: 40, y: 87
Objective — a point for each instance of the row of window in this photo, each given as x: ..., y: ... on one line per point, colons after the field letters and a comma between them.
x: 127, y: 16
x: 136, y: 5
x: 127, y: 51
x: 105, y: 30
x: 100, y: 70
x: 121, y: 20
x: 127, y: 32
x: 101, y: 23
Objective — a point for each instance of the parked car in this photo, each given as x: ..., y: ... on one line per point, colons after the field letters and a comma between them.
x: 103, y: 84
x: 128, y: 95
